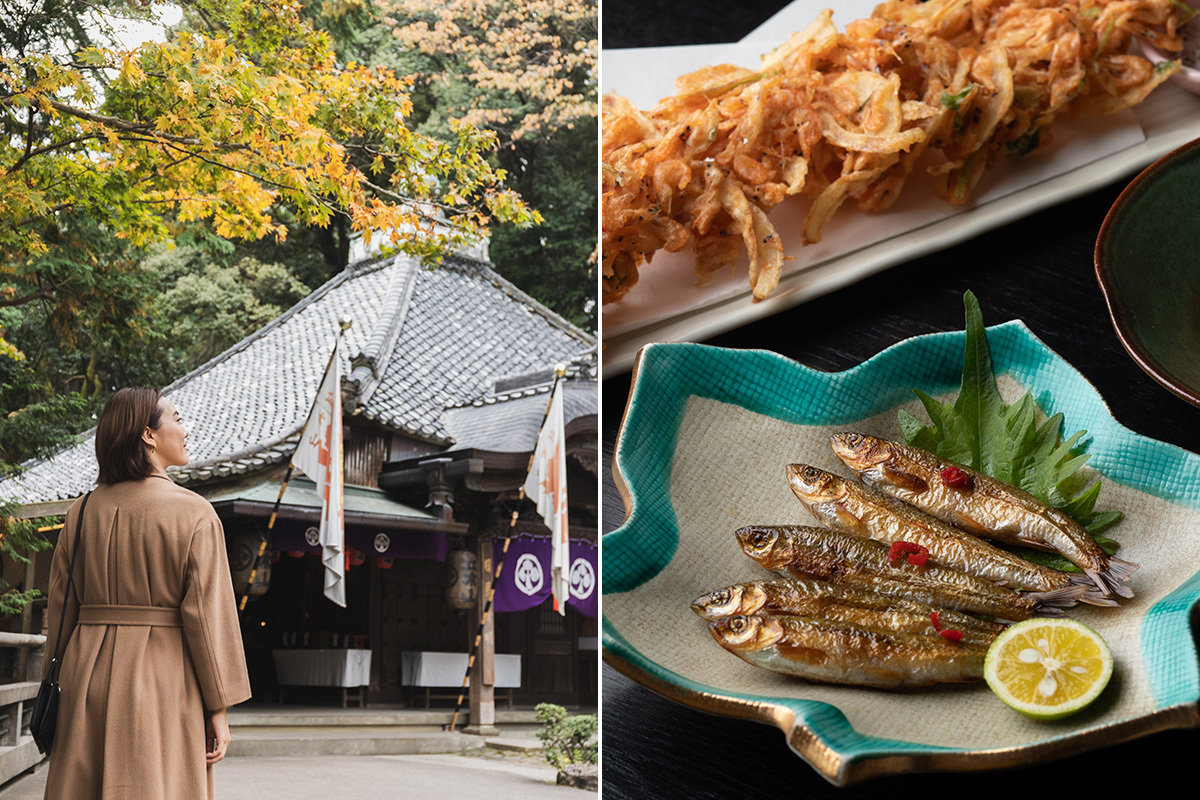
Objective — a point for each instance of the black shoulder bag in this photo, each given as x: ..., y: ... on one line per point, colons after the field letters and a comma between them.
x: 45, y: 708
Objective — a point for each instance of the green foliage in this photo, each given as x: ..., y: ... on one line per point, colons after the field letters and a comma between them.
x: 83, y: 288
x: 18, y: 537
x: 208, y: 301
x: 567, y: 739
x: 35, y: 421
x: 34, y: 428
x: 1006, y: 441
x: 556, y: 174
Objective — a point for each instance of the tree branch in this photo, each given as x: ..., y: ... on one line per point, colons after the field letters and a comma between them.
x: 410, y: 201
x: 29, y: 154
x: 29, y: 298
x: 49, y: 211
x: 143, y: 128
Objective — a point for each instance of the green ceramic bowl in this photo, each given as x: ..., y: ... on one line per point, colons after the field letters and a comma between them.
x: 1148, y: 266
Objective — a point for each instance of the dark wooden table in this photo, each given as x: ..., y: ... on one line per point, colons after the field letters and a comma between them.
x: 1039, y: 270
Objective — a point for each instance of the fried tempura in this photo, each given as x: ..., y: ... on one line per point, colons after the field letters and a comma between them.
x: 833, y: 116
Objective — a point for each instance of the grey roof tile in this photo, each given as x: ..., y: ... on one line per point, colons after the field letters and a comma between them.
x: 509, y: 423
x: 506, y: 419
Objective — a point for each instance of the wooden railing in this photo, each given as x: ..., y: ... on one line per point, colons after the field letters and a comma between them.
x: 21, y: 657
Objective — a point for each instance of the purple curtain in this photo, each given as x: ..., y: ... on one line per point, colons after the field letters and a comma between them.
x: 585, y: 588
x: 525, y: 581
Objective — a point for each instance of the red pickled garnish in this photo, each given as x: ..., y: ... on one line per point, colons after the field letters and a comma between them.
x: 951, y: 634
x: 955, y: 478
x: 933, y: 617
x: 915, y: 552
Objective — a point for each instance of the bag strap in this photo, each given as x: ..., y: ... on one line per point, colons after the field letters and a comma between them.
x: 70, y: 580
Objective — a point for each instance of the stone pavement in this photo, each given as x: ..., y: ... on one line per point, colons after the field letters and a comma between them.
x: 495, y: 774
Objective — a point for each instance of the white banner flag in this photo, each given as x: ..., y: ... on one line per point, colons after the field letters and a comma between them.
x: 319, y: 456
x: 547, y: 486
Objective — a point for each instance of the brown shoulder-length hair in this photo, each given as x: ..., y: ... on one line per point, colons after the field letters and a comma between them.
x: 122, y: 454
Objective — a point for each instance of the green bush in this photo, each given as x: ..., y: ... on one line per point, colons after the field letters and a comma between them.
x: 566, y: 739
x: 18, y: 538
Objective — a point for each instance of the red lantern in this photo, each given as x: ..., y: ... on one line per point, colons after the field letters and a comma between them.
x: 383, y: 562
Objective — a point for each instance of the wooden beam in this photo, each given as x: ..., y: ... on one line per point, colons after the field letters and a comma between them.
x: 52, y: 508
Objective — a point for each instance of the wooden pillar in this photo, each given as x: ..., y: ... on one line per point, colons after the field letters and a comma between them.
x: 375, y: 634
x: 483, y: 674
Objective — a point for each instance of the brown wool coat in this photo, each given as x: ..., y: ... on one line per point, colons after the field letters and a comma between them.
x: 131, y: 719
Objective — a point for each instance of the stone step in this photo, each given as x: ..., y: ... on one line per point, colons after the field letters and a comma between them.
x: 258, y: 715
x: 16, y: 759
x: 260, y: 730
x: 349, y: 741
x: 370, y: 741
x: 515, y: 744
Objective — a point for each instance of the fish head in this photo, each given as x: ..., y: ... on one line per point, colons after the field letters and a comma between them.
x: 767, y: 545
x: 814, y: 485
x: 724, y: 602
x: 742, y: 632
x: 859, y: 452
x: 742, y: 598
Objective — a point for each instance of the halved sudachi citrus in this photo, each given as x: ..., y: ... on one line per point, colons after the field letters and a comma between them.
x: 1048, y: 668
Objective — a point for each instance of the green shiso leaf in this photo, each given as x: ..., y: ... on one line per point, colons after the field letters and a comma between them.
x: 1005, y: 441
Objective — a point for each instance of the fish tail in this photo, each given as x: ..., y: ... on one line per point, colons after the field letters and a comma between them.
x: 1111, y: 579
x: 1051, y: 603
x: 1094, y: 596
x: 1122, y: 569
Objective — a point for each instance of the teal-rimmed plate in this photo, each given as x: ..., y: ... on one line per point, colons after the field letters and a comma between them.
x: 701, y: 452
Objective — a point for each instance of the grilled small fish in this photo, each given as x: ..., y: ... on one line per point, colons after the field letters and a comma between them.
x: 857, y: 509
x: 837, y: 553
x: 979, y: 504
x: 809, y: 597
x: 801, y: 551
x: 839, y: 652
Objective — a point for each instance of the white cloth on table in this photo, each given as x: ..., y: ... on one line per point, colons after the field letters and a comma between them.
x: 418, y: 668
x: 343, y: 668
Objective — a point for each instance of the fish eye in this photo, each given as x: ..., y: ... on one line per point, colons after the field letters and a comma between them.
x: 737, y: 624
x: 721, y: 596
x: 758, y: 538
x: 853, y: 438
x: 811, y: 473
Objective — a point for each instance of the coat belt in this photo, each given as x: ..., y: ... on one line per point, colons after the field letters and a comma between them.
x: 161, y: 616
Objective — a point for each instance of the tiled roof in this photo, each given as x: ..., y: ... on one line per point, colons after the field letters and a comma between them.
x: 462, y: 330
x: 422, y: 340
x: 508, y: 421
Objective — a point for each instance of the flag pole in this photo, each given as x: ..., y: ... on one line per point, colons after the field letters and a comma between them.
x: 560, y: 372
x: 344, y: 324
